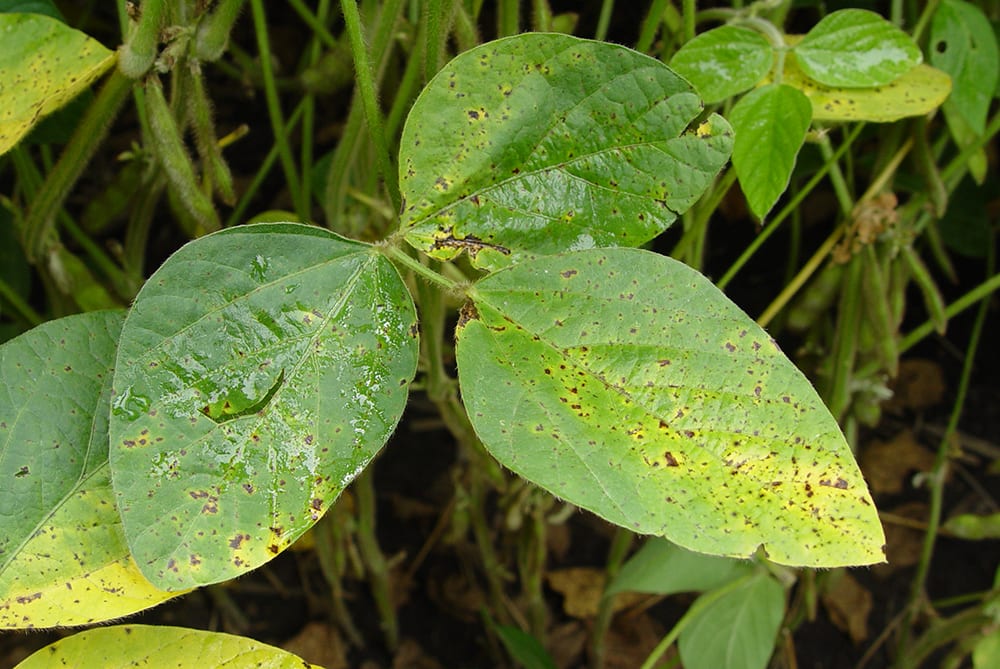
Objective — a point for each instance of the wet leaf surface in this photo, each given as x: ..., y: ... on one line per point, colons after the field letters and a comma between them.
x: 259, y: 372
x: 724, y: 61
x: 63, y: 558
x: 918, y: 92
x: 626, y: 383
x: 537, y: 144
x: 856, y: 47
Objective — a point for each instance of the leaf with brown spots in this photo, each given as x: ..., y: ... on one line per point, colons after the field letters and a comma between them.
x: 124, y: 646
x: 724, y: 449
x: 538, y: 144
x: 63, y: 558
x: 260, y: 370
x: 45, y: 64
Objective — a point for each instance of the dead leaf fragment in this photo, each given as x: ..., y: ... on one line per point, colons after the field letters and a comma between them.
x: 903, y: 541
x: 888, y: 464
x: 918, y: 386
x: 849, y: 603
x: 320, y: 644
x: 581, y: 588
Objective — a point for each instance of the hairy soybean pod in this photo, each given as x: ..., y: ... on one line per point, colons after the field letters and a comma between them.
x: 174, y: 158
x: 136, y: 56
x: 932, y: 296
x: 212, y: 34
x: 816, y: 299
x: 200, y: 112
x: 899, y: 278
x: 877, y: 309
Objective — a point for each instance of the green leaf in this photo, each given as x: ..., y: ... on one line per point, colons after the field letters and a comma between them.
x: 663, y: 568
x: 738, y: 630
x: 986, y: 652
x: 45, y: 64
x: 973, y: 526
x: 626, y: 383
x: 259, y: 371
x: 524, y: 649
x: 918, y: 92
x: 63, y: 558
x: 724, y: 62
x: 542, y: 143
x: 127, y: 646
x: 856, y: 48
x: 963, y: 44
x: 30, y: 7
x: 770, y: 125
x: 14, y: 268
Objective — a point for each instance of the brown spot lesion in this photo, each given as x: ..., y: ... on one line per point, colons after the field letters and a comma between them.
x: 469, y: 243
x: 237, y: 541
x: 838, y: 483
x: 467, y: 313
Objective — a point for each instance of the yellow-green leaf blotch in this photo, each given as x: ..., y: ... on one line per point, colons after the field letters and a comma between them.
x: 130, y: 646
x: 626, y: 383
x: 63, y: 558
x: 920, y: 91
x: 45, y: 64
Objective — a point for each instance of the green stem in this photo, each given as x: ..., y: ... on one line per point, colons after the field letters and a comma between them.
x: 274, y: 110
x: 338, y: 178
x: 790, y: 208
x: 604, y: 20
x: 329, y: 533
x: 700, y: 605
x: 689, y: 9
x: 840, y: 187
x: 20, y: 306
x: 617, y: 553
x: 403, y: 258
x: 940, y: 469
x: 980, y: 292
x: 433, y: 38
x: 371, y: 553
x: 315, y: 23
x: 691, y: 246
x: 651, y: 25
x: 89, y: 134
x: 532, y: 551
x: 366, y: 89
x: 265, y: 167
x: 845, y: 345
x: 508, y: 18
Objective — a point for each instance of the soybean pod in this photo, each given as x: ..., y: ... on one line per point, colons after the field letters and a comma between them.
x: 173, y: 157
x: 138, y: 53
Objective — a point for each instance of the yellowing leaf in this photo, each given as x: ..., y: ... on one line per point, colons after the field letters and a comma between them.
x: 626, y: 383
x: 45, y: 64
x: 125, y: 646
x: 918, y: 92
x: 63, y: 558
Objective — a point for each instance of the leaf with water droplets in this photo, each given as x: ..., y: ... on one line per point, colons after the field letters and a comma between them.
x: 45, y: 64
x: 541, y: 143
x: 128, y: 646
x: 856, y: 48
x: 724, y: 61
x: 918, y: 92
x: 259, y: 372
x: 626, y: 383
x: 63, y: 558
